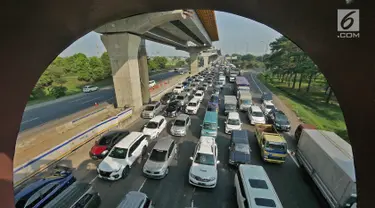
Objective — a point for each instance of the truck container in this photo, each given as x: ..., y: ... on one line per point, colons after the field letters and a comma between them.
x: 328, y: 160
x: 230, y: 104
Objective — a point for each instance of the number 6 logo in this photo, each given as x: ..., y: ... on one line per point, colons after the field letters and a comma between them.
x: 347, y: 20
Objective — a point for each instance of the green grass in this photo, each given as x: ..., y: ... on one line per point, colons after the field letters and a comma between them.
x: 311, y: 107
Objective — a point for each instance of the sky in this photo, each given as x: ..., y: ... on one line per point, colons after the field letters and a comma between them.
x: 236, y: 35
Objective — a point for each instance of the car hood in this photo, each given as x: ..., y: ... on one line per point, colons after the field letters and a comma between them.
x: 98, y: 149
x: 178, y: 128
x: 148, y: 131
x: 146, y: 111
x: 191, y: 107
x: 233, y: 126
x: 111, y: 164
x: 240, y: 157
x: 203, y: 171
x: 153, y: 165
x: 258, y: 119
x: 170, y: 109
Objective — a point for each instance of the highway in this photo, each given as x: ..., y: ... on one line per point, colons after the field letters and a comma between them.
x: 65, y: 106
x: 174, y: 191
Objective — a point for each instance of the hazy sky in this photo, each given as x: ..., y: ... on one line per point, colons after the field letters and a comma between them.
x: 236, y: 35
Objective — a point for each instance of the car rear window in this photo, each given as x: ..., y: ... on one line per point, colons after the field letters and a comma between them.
x: 265, y: 202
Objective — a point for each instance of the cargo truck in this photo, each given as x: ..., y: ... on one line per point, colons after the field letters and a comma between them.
x: 230, y: 104
x: 273, y: 146
x: 328, y: 160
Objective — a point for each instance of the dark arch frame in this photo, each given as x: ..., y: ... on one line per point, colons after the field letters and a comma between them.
x: 35, y: 32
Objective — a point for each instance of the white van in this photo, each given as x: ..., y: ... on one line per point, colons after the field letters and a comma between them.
x: 254, y: 189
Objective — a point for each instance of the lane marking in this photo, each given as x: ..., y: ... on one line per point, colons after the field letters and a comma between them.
x: 93, y: 180
x: 140, y: 188
x: 294, y: 159
x: 73, y: 101
x: 33, y: 119
x: 90, y: 100
x: 251, y: 75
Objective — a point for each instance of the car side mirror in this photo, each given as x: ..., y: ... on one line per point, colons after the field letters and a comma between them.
x: 218, y: 162
x: 191, y: 158
x: 225, y: 122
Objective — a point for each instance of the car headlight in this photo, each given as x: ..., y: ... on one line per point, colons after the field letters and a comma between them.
x: 192, y: 175
x: 104, y: 152
x: 278, y: 125
x: 117, y: 169
x: 212, y: 178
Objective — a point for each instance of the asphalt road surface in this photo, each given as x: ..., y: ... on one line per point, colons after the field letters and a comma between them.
x: 43, y: 114
x: 174, y: 191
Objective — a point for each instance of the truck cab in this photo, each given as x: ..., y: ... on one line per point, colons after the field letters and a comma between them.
x: 273, y: 146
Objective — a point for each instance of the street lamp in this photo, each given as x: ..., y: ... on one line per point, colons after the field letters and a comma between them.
x: 265, y: 50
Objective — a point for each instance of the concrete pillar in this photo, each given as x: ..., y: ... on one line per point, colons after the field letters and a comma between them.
x: 206, y: 61
x: 123, y: 52
x: 194, y: 61
x: 143, y: 71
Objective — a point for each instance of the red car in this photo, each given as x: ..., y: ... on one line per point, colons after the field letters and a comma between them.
x: 106, y: 142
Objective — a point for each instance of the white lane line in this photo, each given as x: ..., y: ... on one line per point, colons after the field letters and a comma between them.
x: 251, y: 75
x: 90, y: 100
x: 293, y: 158
x: 93, y: 180
x: 33, y: 119
x: 73, y: 101
x: 140, y: 188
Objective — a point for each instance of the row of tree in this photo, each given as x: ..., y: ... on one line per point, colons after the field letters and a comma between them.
x: 288, y: 63
x: 247, y: 61
x: 160, y: 62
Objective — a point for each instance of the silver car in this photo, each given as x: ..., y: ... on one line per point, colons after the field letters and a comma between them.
x: 183, y: 98
x: 160, y: 158
x: 152, y: 109
x: 180, y: 125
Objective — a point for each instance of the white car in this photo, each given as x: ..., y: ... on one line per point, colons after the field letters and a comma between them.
x: 233, y: 122
x: 154, y: 127
x: 203, y: 170
x: 193, y: 106
x: 151, y: 83
x: 178, y: 89
x: 200, y: 78
x: 90, y: 88
x: 199, y: 94
x: 118, y: 162
x: 256, y: 115
x: 267, y: 106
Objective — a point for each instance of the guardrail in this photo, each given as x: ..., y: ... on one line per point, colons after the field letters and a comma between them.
x: 44, y: 160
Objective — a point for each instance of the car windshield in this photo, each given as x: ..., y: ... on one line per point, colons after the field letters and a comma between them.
x: 149, y: 108
x: 106, y: 139
x: 180, y: 97
x: 158, y: 155
x: 198, y: 94
x: 211, y: 108
x: 271, y: 107
x: 214, y: 99
x: 281, y: 118
x: 152, y: 125
x: 201, y: 88
x: 192, y: 104
x: 275, y: 146
x: 179, y: 123
x: 173, y: 104
x: 193, y: 85
x: 244, y: 148
x: 178, y: 87
x: 118, y: 153
x: 204, y: 159
x: 233, y: 122
x: 230, y: 106
x: 209, y: 126
x: 246, y: 102
x: 257, y: 114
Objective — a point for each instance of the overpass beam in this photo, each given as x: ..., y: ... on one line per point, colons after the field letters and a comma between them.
x: 143, y: 71
x: 123, y: 52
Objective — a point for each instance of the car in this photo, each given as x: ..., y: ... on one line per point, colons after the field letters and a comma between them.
x: 90, y: 88
x: 205, y: 86
x: 173, y: 109
x: 203, y: 170
x: 152, y: 109
x: 214, y: 99
x: 239, y: 148
x: 267, y: 106
x: 45, y: 189
x: 154, y: 127
x: 189, y: 91
x: 183, y: 98
x: 151, y: 83
x: 217, y: 90
x: 279, y: 120
x: 199, y: 94
x: 180, y: 125
x: 194, y: 86
x: 168, y: 97
x: 185, y: 84
x: 193, y: 106
x: 201, y: 88
x: 201, y: 78
x: 118, y: 162
x: 178, y: 88
x: 160, y: 158
x: 209, y: 82
x: 266, y: 96
x: 233, y: 122
x: 255, y: 115
x: 212, y: 107
x: 136, y: 199
x: 103, y: 145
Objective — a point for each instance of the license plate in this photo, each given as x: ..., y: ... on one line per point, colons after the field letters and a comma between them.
x: 202, y: 184
x: 94, y: 157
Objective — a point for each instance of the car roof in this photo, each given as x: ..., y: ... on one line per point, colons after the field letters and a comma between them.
x: 157, y: 118
x: 268, y: 102
x: 183, y: 94
x: 194, y: 100
x: 233, y: 115
x: 182, y: 116
x: 128, y: 140
x: 240, y: 136
x: 205, y: 145
x: 132, y: 199
x: 163, y: 143
x: 256, y: 108
x: 199, y: 91
x: 210, y: 116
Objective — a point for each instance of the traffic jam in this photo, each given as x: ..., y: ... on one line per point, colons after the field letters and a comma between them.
x: 119, y: 150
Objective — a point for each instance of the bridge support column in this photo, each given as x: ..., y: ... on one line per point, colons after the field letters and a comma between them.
x: 206, y: 61
x: 193, y: 61
x: 123, y: 52
x: 143, y: 71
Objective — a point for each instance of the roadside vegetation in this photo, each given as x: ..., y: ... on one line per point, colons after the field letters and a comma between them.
x: 295, y: 79
x: 67, y: 75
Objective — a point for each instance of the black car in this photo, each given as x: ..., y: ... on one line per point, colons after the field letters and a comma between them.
x: 173, y: 108
x: 266, y: 96
x: 278, y: 119
x: 239, y: 148
x: 168, y: 97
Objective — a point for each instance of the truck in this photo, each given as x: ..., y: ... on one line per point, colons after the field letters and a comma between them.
x: 230, y: 104
x: 328, y: 160
x: 233, y: 75
x: 273, y: 146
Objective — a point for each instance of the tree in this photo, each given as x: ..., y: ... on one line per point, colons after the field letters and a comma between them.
x: 106, y: 63
x: 58, y: 91
x: 180, y: 63
x: 187, y: 60
x: 160, y: 61
x: 151, y: 64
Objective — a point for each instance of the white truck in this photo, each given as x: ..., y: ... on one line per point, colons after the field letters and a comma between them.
x: 230, y: 104
x: 328, y: 160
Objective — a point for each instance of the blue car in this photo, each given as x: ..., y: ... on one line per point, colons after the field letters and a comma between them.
x: 214, y: 99
x: 42, y: 191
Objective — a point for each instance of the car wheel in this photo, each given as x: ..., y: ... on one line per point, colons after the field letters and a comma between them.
x: 166, y: 172
x: 125, y: 172
x: 144, y: 151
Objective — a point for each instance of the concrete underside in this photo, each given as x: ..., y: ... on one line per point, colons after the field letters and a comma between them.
x: 39, y: 30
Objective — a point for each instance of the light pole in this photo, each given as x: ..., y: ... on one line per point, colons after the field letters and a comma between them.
x: 265, y: 51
